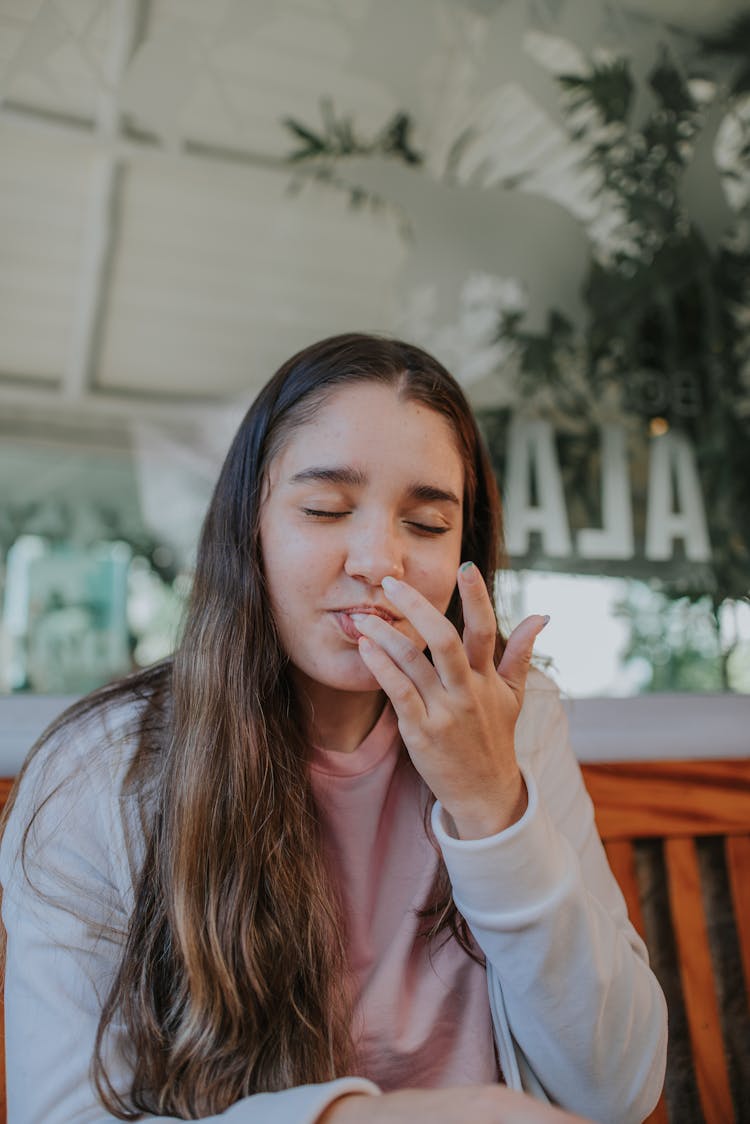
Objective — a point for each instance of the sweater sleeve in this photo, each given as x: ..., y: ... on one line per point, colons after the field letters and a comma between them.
x: 64, y: 941
x: 585, y: 1012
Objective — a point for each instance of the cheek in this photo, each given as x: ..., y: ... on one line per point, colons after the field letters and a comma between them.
x: 437, y: 585
x: 297, y: 570
x: 281, y: 571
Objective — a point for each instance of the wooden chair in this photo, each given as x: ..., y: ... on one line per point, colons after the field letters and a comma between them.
x: 674, y: 802
x: 678, y: 802
x: 6, y: 783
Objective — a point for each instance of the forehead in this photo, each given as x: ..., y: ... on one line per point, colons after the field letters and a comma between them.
x: 373, y: 425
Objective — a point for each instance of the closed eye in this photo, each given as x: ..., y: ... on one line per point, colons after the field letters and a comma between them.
x: 317, y: 514
x: 422, y: 528
x: 427, y: 528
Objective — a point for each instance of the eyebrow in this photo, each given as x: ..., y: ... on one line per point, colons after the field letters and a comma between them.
x: 355, y: 478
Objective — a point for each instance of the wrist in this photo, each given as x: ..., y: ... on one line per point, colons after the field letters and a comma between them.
x: 483, y: 819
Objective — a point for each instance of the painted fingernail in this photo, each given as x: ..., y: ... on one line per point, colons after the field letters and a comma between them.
x: 469, y: 571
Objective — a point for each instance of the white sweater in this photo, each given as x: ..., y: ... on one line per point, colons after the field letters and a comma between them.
x: 578, y: 1016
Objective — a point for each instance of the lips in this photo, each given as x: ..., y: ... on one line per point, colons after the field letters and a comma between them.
x: 373, y: 610
x: 343, y: 618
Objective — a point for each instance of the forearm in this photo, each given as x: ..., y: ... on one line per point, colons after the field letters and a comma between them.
x: 580, y: 1000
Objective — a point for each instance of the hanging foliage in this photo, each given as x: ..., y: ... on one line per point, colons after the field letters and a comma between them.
x: 664, y: 345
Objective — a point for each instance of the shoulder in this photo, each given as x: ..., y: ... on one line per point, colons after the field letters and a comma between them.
x: 91, y: 746
x: 539, y: 683
x: 544, y: 750
x: 70, y: 800
x: 96, y: 739
x: 542, y: 715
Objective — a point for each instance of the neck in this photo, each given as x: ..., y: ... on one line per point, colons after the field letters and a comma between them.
x: 339, y: 720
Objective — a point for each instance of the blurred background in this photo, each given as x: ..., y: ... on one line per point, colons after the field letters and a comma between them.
x: 553, y: 196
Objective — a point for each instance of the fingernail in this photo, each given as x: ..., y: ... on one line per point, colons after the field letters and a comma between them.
x: 389, y: 583
x: 545, y: 621
x: 358, y: 618
x: 469, y: 570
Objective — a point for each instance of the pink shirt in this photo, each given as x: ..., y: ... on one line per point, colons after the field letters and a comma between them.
x: 419, y: 1021
x: 579, y: 1018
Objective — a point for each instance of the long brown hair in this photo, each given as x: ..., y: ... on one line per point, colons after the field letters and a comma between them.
x: 233, y: 974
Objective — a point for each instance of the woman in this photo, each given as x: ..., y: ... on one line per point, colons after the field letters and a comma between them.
x: 338, y: 844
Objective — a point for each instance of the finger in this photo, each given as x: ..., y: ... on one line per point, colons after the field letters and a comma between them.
x: 514, y: 666
x: 480, y: 625
x: 438, y: 633
x: 404, y: 697
x: 404, y: 654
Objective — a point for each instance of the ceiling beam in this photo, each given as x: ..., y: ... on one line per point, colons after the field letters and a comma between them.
x: 103, y: 209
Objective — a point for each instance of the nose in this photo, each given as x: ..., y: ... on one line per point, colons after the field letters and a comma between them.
x: 375, y: 551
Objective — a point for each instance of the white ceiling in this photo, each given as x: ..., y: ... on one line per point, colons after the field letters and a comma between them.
x: 152, y: 256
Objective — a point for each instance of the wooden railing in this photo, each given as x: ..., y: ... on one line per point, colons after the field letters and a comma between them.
x: 6, y: 784
x: 676, y: 803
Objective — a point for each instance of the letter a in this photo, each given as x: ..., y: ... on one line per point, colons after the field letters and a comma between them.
x: 672, y: 458
x: 531, y: 446
x: 615, y: 537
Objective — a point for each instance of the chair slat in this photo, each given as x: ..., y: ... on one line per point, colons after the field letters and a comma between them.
x: 6, y: 784
x: 655, y: 799
x: 738, y: 866
x: 3, y: 1100
x: 660, y: 1114
x: 696, y: 973
x: 621, y: 856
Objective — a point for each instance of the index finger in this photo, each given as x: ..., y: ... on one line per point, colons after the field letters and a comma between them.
x: 436, y: 630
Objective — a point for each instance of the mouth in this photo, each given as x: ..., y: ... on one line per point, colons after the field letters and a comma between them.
x: 372, y: 610
x: 343, y: 618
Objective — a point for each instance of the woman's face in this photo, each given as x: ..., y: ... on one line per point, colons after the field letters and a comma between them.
x: 371, y: 486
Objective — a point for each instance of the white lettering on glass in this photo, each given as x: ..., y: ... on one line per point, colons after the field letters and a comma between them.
x: 531, y: 449
x: 615, y: 537
x: 673, y: 476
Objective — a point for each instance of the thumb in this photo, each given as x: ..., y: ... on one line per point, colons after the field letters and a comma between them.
x: 514, y: 665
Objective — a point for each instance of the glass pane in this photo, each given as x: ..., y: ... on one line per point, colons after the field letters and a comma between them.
x: 89, y: 590
x: 556, y: 202
x: 618, y: 636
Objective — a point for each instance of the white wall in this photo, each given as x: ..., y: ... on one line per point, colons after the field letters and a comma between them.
x: 648, y: 726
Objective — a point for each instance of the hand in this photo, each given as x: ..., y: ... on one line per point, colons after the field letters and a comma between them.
x: 457, y: 716
x: 479, y: 1104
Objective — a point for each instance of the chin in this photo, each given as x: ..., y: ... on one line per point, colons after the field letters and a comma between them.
x: 354, y: 677
x: 361, y: 681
